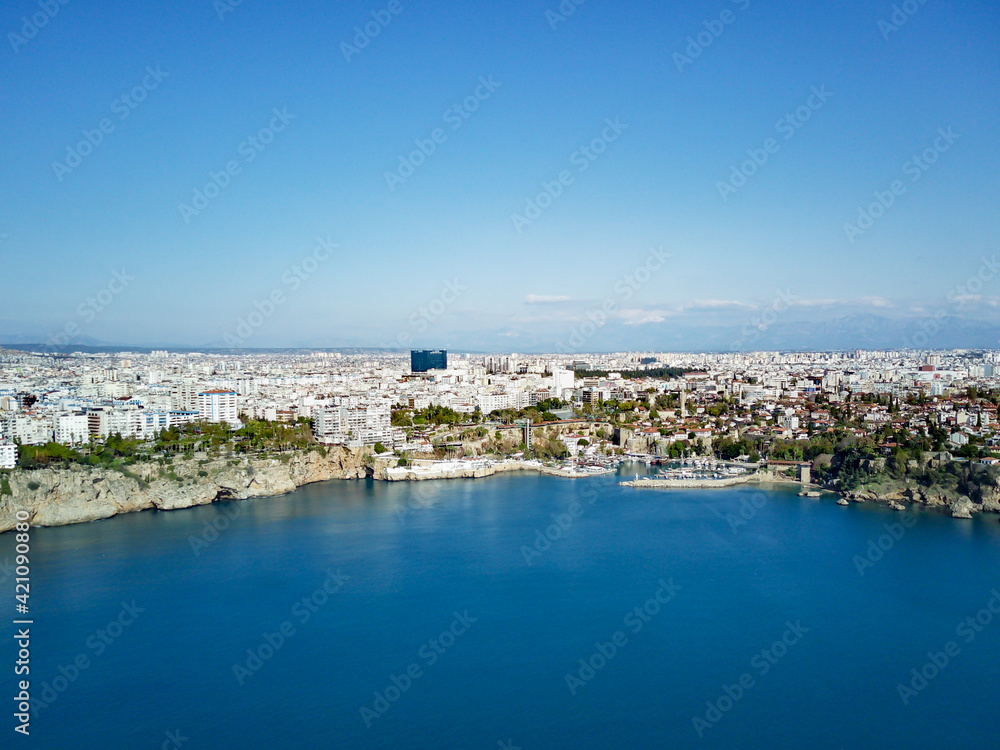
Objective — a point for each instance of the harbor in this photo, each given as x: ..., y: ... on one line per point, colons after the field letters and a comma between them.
x: 484, y: 467
x: 696, y: 472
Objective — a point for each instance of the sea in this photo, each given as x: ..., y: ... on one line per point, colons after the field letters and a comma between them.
x: 513, y: 611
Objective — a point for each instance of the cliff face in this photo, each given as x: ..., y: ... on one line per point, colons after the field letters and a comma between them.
x: 986, y: 500
x: 55, y: 497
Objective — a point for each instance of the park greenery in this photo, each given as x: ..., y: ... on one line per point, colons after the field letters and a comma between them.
x: 435, y: 416
x: 257, y: 438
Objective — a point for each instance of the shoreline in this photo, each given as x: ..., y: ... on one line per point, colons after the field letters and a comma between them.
x: 960, y: 507
x: 478, y: 468
x: 78, y: 494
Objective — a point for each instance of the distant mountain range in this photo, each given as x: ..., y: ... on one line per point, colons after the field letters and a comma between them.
x: 863, y: 331
x: 868, y: 331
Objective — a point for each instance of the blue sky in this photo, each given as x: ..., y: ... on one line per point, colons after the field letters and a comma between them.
x: 436, y: 258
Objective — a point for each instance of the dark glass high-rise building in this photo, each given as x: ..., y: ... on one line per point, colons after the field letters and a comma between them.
x: 422, y: 360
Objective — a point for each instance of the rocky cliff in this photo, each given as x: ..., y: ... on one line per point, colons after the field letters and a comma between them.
x: 55, y: 497
x: 987, y: 499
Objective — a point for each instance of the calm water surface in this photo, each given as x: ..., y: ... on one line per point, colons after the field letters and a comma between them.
x: 454, y: 622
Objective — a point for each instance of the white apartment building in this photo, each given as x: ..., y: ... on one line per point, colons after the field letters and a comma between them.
x: 489, y: 402
x: 790, y: 421
x: 218, y: 406
x: 31, y: 430
x: 419, y: 401
x: 154, y: 422
x: 8, y: 456
x: 7, y: 423
x: 109, y: 421
x: 182, y: 417
x: 184, y: 396
x: 70, y: 428
x: 130, y: 422
x: 327, y: 424
x: 353, y: 426
x: 461, y: 405
x: 370, y: 424
x: 562, y: 380
x: 518, y: 400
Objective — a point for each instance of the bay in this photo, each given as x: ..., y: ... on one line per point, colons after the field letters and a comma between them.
x: 468, y: 605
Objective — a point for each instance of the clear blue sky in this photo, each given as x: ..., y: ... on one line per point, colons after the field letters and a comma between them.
x: 655, y: 184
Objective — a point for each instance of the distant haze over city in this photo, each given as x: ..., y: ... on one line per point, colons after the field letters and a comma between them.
x: 843, y: 333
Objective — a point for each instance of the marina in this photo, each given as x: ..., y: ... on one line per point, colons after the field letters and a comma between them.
x: 693, y: 472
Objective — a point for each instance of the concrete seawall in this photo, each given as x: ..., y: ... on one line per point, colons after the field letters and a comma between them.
x: 476, y: 469
x: 677, y: 484
x: 456, y: 470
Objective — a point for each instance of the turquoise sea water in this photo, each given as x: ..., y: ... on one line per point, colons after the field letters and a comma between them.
x: 450, y: 615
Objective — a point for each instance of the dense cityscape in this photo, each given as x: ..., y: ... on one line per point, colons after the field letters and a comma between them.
x: 850, y: 415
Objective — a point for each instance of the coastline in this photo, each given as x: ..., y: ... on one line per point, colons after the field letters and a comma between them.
x: 77, y: 494
x: 897, y: 496
x: 480, y: 467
